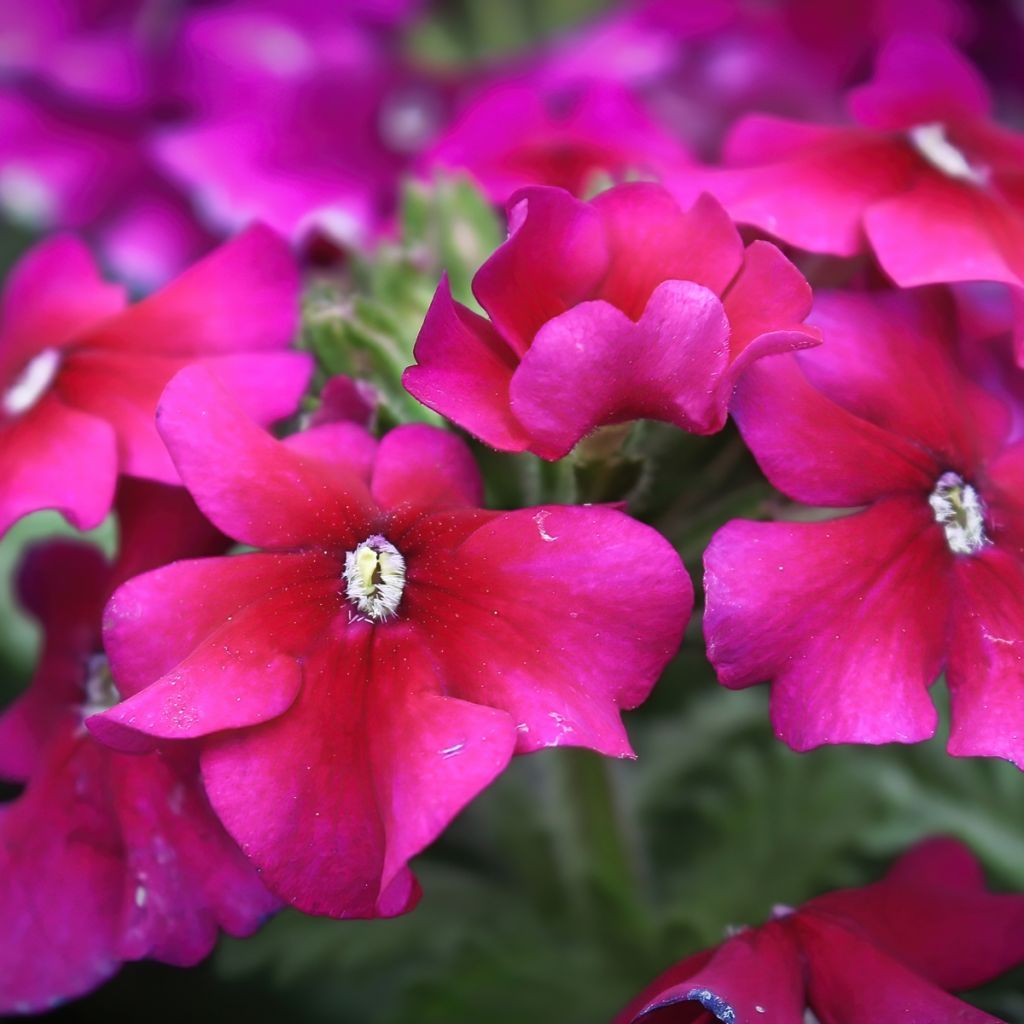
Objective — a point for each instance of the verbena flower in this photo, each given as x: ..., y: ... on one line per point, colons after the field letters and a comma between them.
x: 352, y: 685
x: 853, y: 618
x: 925, y: 176
x: 81, y: 371
x: 886, y: 952
x: 105, y: 857
x: 620, y: 308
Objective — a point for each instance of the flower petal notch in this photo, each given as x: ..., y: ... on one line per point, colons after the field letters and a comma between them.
x: 651, y: 311
x: 853, y: 618
x: 81, y: 372
x: 885, y: 951
x: 352, y: 685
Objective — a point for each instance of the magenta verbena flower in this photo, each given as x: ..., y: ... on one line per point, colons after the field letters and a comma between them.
x: 521, y: 130
x: 620, y: 308
x: 105, y: 857
x: 853, y: 618
x: 81, y: 372
x: 886, y: 952
x: 352, y: 685
x: 925, y: 177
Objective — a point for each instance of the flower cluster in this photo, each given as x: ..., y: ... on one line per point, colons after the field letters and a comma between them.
x: 316, y: 643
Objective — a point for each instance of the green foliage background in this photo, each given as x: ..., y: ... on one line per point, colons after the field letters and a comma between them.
x: 572, y: 881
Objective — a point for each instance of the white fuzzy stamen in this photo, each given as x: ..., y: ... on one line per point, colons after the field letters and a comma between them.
x: 375, y: 578
x: 959, y: 511
x: 931, y: 142
x: 32, y: 383
x: 100, y: 692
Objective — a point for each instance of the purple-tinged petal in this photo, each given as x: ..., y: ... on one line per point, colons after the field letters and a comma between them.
x: 920, y: 80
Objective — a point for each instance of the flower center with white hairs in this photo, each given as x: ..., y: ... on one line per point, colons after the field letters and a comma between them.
x: 375, y: 578
x: 100, y: 692
x: 959, y: 511
x: 32, y: 383
x: 931, y: 142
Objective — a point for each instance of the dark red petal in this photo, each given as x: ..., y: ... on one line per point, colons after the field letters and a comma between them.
x: 850, y: 981
x: 933, y: 913
x: 755, y: 976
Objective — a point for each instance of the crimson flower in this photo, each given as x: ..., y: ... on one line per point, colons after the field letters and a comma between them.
x: 105, y: 857
x: 648, y: 311
x: 81, y: 372
x: 853, y: 618
x: 925, y: 176
x: 352, y: 685
x: 890, y: 951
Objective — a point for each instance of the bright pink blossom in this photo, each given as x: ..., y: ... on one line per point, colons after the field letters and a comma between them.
x: 105, y: 857
x: 620, y: 308
x: 853, y: 618
x: 523, y: 132
x: 81, y: 371
x: 891, y: 951
x: 355, y: 683
x: 925, y: 177
x: 302, y: 117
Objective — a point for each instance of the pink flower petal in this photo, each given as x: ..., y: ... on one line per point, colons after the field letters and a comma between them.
x: 651, y: 240
x: 257, y: 490
x: 986, y: 665
x: 847, y: 617
x: 313, y: 825
x: 809, y: 184
x: 665, y: 367
x: 463, y: 371
x: 814, y: 450
x: 519, y: 616
x: 946, y: 230
x: 555, y: 256
x: 425, y: 467
x: 232, y: 660
x: 53, y: 295
x: 243, y: 297
x: 889, y: 358
x: 56, y: 457
x: 919, y: 80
